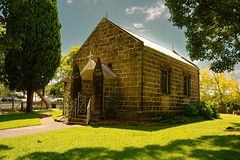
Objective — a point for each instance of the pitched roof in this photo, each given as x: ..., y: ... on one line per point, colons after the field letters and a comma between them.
x: 160, y: 48
x: 87, y: 71
x: 66, y: 79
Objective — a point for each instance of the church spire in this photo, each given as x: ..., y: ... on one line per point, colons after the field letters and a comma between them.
x: 106, y: 15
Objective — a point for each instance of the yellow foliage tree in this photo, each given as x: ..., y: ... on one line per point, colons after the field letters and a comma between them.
x: 222, y: 88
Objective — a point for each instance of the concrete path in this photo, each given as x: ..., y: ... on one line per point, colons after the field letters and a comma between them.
x: 48, y: 124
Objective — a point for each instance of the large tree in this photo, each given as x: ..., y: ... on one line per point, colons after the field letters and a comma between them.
x: 2, y: 57
x: 219, y: 87
x: 31, y: 66
x: 212, y: 30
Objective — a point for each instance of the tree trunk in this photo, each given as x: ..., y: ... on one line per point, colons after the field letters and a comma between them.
x: 29, y: 101
x: 43, y: 99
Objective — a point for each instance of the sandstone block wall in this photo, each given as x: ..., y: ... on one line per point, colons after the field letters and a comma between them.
x: 154, y: 101
x: 122, y: 54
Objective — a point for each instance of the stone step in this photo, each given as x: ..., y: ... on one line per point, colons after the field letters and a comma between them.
x: 78, y: 120
x: 84, y: 116
x: 79, y: 123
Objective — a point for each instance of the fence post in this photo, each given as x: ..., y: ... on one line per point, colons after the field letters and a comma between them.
x: 21, y: 106
x: 12, y: 105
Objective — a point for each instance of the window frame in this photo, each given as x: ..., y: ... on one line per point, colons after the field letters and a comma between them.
x: 187, y: 85
x: 166, y: 81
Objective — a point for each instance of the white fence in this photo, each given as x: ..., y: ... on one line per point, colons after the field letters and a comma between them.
x: 22, y: 105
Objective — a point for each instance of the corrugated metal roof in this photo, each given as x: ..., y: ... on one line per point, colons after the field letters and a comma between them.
x: 160, y: 48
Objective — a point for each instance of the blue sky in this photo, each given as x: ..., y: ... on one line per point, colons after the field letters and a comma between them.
x: 148, y: 18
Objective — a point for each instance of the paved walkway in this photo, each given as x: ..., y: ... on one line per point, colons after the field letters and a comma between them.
x: 48, y: 124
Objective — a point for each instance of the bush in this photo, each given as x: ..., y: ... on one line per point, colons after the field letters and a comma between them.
x: 214, y: 106
x: 237, y: 112
x: 236, y: 106
x: 171, y: 119
x: 191, y: 110
x: 208, y: 114
x: 115, y: 100
x: 207, y: 110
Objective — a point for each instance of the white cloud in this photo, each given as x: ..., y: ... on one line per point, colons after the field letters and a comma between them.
x: 155, y: 12
x: 138, y: 25
x: 151, y: 13
x: 167, y: 15
x: 82, y: 2
x: 196, y: 62
x: 133, y: 9
x: 69, y: 1
x: 144, y: 30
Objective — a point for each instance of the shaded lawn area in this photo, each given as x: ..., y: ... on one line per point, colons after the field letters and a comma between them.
x: 201, y: 140
x: 15, y: 120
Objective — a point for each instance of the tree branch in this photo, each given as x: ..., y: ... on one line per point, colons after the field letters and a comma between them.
x: 43, y: 99
x: 204, y: 3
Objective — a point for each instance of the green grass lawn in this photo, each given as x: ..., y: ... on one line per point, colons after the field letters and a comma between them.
x: 54, y: 113
x: 202, y: 140
x: 15, y: 120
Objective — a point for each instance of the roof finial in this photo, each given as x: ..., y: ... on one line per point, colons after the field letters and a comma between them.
x: 106, y: 15
x: 172, y: 47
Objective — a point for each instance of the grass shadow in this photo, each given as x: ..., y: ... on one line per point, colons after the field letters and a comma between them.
x: 3, y: 148
x: 138, y: 128
x: 227, y: 148
x: 236, y: 125
x: 145, y: 128
x: 18, y: 116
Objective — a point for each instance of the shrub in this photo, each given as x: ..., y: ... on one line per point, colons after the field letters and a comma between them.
x: 207, y: 110
x: 115, y: 100
x: 191, y: 110
x: 208, y: 114
x: 236, y: 106
x: 171, y: 119
x: 237, y: 112
x: 214, y: 106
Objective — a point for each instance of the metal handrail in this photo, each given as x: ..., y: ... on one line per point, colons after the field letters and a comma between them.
x: 88, y: 112
x: 76, y: 105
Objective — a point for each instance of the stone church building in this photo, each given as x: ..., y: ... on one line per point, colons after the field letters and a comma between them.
x: 151, y: 80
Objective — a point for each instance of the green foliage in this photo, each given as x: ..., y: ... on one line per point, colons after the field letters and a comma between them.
x: 115, y: 100
x: 236, y: 107
x: 207, y: 110
x: 172, y: 119
x: 33, y: 65
x: 191, y: 110
x: 56, y: 89
x: 8, y: 41
x: 2, y: 90
x: 2, y: 59
x: 66, y: 66
x: 214, y: 106
x: 212, y: 30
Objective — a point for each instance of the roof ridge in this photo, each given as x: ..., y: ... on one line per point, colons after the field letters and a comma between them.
x: 147, y: 39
